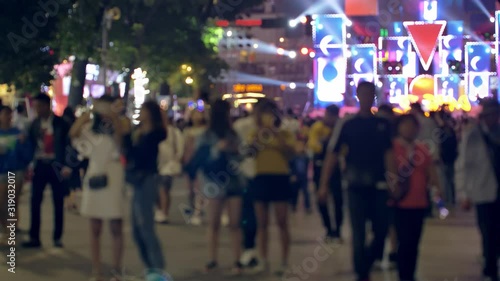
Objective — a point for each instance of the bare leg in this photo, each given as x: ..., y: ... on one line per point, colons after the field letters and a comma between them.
x: 168, y: 199
x: 162, y: 198
x: 262, y: 215
x: 281, y: 211
x: 117, y: 233
x: 95, y: 246
x: 192, y: 195
x: 215, y: 207
x: 234, y: 210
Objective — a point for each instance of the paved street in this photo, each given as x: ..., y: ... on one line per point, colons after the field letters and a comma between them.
x: 450, y: 250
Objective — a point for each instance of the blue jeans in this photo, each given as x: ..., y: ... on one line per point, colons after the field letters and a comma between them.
x: 143, y: 225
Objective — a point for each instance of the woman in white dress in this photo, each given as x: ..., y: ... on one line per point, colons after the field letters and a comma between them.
x: 98, y: 138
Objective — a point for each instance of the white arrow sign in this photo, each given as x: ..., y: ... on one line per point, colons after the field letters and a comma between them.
x: 326, y: 43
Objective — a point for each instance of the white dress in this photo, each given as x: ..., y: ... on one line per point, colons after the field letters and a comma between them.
x: 104, y: 158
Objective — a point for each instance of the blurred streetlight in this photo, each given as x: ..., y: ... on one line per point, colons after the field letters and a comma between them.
x: 189, y: 80
x: 293, y: 86
x: 189, y: 68
x: 292, y: 54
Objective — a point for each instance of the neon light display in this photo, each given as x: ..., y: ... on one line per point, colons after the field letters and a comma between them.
x: 477, y: 61
x: 420, y: 56
x: 424, y: 37
x: 330, y: 76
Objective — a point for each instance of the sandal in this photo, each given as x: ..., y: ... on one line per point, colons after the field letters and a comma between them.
x: 211, y: 266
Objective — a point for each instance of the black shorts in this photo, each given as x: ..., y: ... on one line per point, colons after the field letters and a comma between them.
x: 272, y: 188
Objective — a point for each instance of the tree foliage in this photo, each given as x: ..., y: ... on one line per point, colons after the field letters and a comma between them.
x: 26, y: 56
x: 156, y: 35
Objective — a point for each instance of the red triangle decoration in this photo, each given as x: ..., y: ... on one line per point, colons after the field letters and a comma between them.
x: 424, y: 36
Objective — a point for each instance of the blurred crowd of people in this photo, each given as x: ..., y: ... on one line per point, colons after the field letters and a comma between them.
x: 392, y: 170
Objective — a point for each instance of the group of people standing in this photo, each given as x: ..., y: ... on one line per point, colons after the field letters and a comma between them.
x: 391, y: 168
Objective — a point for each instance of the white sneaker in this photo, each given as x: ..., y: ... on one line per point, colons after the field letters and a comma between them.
x: 224, y: 220
x: 247, y: 256
x: 196, y: 220
x: 160, y: 216
x: 379, y: 266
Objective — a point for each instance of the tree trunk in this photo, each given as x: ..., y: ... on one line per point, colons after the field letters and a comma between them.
x: 127, y: 81
x: 77, y: 82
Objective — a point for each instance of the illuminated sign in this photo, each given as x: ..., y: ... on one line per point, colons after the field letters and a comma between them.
x: 248, y: 88
x: 434, y: 103
x: 424, y: 37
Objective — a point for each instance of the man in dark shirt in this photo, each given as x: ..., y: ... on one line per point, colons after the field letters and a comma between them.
x: 364, y: 141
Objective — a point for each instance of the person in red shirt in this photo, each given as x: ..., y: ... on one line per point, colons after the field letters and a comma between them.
x: 416, y: 174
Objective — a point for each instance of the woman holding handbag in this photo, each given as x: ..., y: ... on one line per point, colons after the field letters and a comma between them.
x: 98, y: 137
x: 416, y: 173
x: 169, y: 166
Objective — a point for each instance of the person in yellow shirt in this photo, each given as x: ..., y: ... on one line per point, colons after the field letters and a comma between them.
x: 319, y: 137
x: 273, y: 149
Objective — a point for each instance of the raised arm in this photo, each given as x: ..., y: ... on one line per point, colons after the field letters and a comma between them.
x: 76, y: 130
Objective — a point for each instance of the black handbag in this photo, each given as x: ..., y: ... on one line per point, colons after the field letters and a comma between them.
x: 98, y: 182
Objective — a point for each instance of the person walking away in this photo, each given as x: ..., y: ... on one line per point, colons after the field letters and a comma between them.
x: 49, y: 134
x: 274, y: 149
x: 169, y: 166
x: 216, y: 150
x: 477, y: 177
x: 15, y: 154
x: 244, y: 128
x: 319, y: 137
x: 300, y: 182
x: 365, y: 173
x: 416, y: 175
x: 141, y: 151
x: 99, y: 139
x: 197, y: 126
x: 449, y: 153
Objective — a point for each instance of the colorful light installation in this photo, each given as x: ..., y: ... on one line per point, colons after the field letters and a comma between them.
x: 477, y: 62
x: 395, y: 88
x: 447, y: 85
x: 497, y: 48
x: 329, y: 32
x: 330, y: 76
x: 330, y: 63
x: 363, y: 62
x: 424, y: 37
